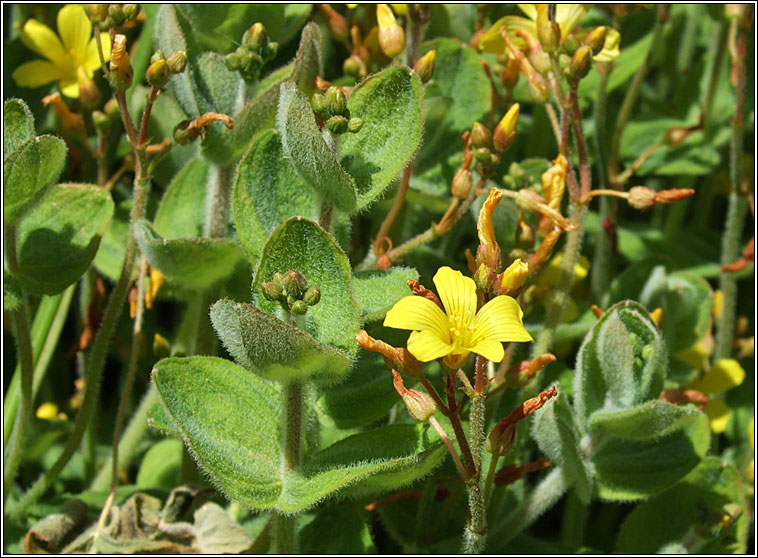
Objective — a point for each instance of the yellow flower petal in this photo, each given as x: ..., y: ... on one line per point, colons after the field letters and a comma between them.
x: 484, y: 227
x: 530, y: 10
x: 457, y: 293
x: 489, y: 349
x: 568, y: 16
x: 418, y: 313
x: 69, y: 87
x: 500, y: 320
x: 75, y: 30
x: 36, y: 73
x: 610, y: 48
x: 41, y: 39
x: 427, y: 346
x: 725, y: 374
x: 492, y: 41
x: 718, y: 413
x: 91, y: 59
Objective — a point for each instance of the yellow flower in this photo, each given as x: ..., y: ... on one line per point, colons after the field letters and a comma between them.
x: 567, y: 16
x: 460, y: 329
x: 725, y: 374
x: 69, y: 61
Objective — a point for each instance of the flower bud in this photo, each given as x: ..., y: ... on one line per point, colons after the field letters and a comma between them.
x: 641, y: 197
x: 120, y: 65
x: 183, y: 134
x: 101, y: 121
x: 233, y: 60
x: 337, y: 24
x: 539, y: 88
x: 96, y: 12
x: 116, y: 13
x: 480, y: 135
x: 337, y: 125
x: 581, y: 62
x: 298, y: 308
x: 131, y: 11
x: 157, y: 55
x: 271, y: 290
x: 312, y: 296
x: 354, y: 125
x: 524, y: 233
x: 89, y: 93
x: 336, y: 102
x: 161, y: 346
x: 391, y: 35
x: 595, y: 39
x: 500, y: 440
x: 257, y: 37
x: 675, y: 136
x: 462, y: 184
x: 570, y: 44
x: 157, y: 74
x: 111, y: 109
x: 483, y: 156
x: 548, y: 32
x: 318, y: 103
x: 177, y: 61
x: 529, y: 201
x: 294, y: 283
x: 424, y: 66
x: 505, y: 132
x: 420, y: 405
x: 513, y: 278
x: 354, y: 67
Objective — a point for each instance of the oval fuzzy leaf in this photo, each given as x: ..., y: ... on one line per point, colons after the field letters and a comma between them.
x: 622, y: 361
x: 304, y: 146
x: 194, y: 263
x: 378, y: 290
x: 59, y: 237
x: 18, y: 125
x: 697, y: 503
x: 302, y: 245
x: 28, y: 171
x: 229, y: 420
x: 629, y: 469
x: 379, y: 460
x: 181, y: 213
x: 347, y: 528
x: 112, y: 250
x: 271, y: 348
x: 649, y: 421
x: 267, y: 192
x: 389, y: 103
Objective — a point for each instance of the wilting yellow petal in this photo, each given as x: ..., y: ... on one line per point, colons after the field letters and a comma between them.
x: 486, y: 231
x: 554, y: 182
x: 75, y: 30
x: 610, y: 48
x: 457, y: 293
x: 418, y: 313
x: 500, y: 320
x: 426, y: 346
x: 725, y: 374
x: 492, y: 41
x: 718, y: 413
x: 41, y: 39
x: 36, y: 73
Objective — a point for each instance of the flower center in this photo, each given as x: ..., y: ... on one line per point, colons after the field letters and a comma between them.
x: 461, y: 328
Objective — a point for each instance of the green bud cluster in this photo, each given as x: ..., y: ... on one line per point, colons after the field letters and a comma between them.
x: 332, y: 107
x: 517, y: 178
x: 291, y: 290
x: 160, y: 69
x: 103, y: 119
x: 107, y: 16
x: 254, y: 52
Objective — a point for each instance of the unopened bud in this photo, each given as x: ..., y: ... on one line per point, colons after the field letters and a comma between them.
x: 420, y: 405
x: 539, y: 88
x: 570, y: 44
x: 675, y: 136
x: 354, y: 67
x: 312, y: 296
x: 529, y: 200
x: 337, y: 125
x: 337, y: 24
x: 641, y: 197
x: 595, y: 39
x: 101, y: 120
x: 177, y: 61
x: 581, y: 62
x: 257, y: 37
x: 483, y: 156
x: 462, y: 184
x: 391, y: 35
x: 505, y: 132
x: 294, y: 283
x: 299, y: 308
x: 524, y: 233
x: 131, y: 11
x: 271, y: 290
x: 116, y: 13
x: 120, y: 65
x: 513, y: 278
x: 318, y: 103
x: 424, y: 66
x: 336, y: 102
x: 548, y: 32
x: 96, y: 12
x: 480, y: 135
x: 111, y: 109
x: 157, y: 74
x: 157, y: 55
x: 183, y: 134
x: 354, y: 125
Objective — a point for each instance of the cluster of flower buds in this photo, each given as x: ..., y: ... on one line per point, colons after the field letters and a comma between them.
x: 291, y: 290
x: 161, y: 68
x: 104, y: 118
x: 502, y: 437
x: 107, y: 16
x: 254, y: 52
x: 332, y: 107
x: 187, y: 130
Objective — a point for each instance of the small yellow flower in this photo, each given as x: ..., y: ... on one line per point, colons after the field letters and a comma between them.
x: 568, y: 16
x: 460, y: 329
x: 75, y: 49
x: 725, y: 374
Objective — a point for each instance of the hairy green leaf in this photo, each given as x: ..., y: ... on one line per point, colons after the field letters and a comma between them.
x: 181, y: 212
x: 18, y: 125
x: 649, y: 421
x: 348, y: 532
x: 378, y: 290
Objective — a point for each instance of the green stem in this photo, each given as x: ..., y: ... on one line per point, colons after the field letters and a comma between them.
x: 730, y: 243
x: 541, y: 499
x: 24, y: 416
x: 490, y: 482
x: 217, y: 202
x: 574, y: 521
x: 424, y: 517
x: 475, y: 534
x: 127, y: 445
x: 96, y: 361
x: 560, y: 296
x: 46, y: 329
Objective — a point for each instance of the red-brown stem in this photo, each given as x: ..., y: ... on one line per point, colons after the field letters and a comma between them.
x: 455, y: 420
x: 397, y: 205
x: 581, y: 145
x: 151, y: 97
x: 433, y: 392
